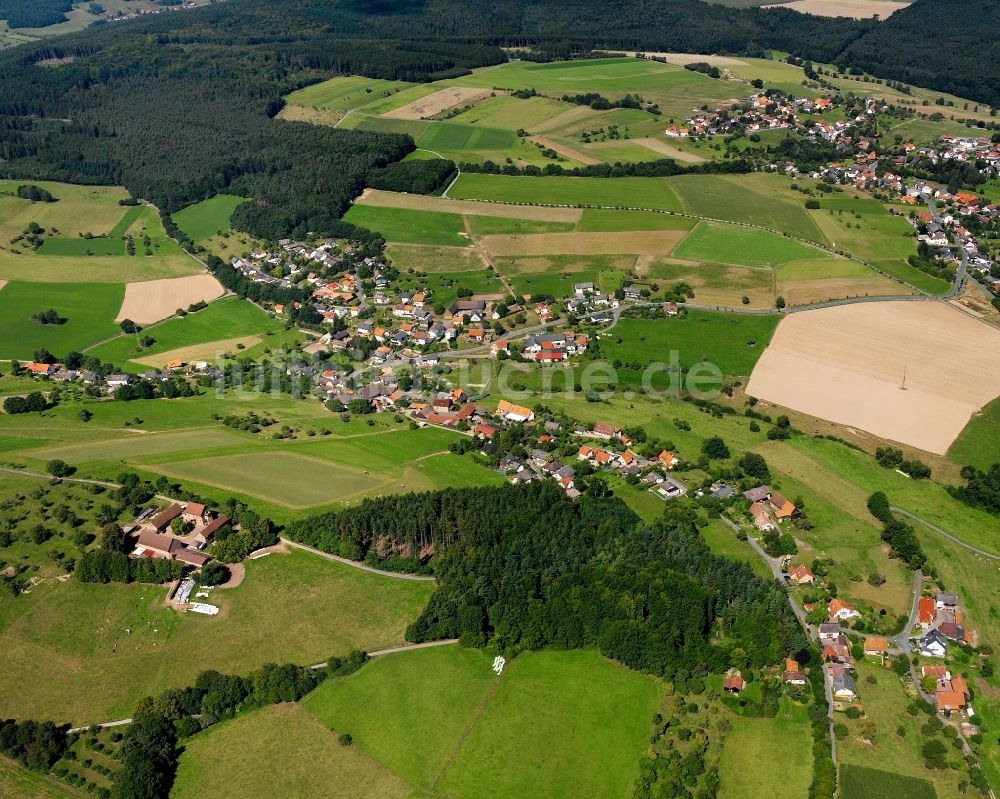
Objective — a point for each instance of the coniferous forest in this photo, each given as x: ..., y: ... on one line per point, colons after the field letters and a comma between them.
x: 81, y: 107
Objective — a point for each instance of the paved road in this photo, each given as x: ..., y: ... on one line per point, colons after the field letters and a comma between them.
x: 945, y: 534
x: 357, y: 564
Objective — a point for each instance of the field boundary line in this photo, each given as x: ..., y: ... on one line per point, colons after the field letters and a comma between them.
x: 476, y: 717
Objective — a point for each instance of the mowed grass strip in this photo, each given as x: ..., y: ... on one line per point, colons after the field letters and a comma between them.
x: 408, y: 710
x: 281, y: 750
x: 297, y: 608
x: 653, y: 193
x: 89, y: 310
x: 733, y: 244
x: 561, y: 724
x: 139, y: 446
x: 411, y: 227
x: 283, y: 477
x: 204, y: 219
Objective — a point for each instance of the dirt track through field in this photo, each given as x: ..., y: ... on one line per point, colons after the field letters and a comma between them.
x: 437, y: 102
x: 847, y: 363
x: 419, y: 202
x: 856, y: 9
x: 564, y: 150
x: 154, y: 300
x: 660, y: 146
x: 646, y: 242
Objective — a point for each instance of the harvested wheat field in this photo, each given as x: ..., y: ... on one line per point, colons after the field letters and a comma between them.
x: 440, y: 101
x: 564, y: 150
x: 153, y: 300
x: 420, y: 202
x: 646, y: 242
x: 209, y: 351
x: 856, y: 9
x: 847, y: 363
x: 2, y: 284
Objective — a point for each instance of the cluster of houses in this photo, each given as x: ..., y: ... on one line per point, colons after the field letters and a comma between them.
x: 159, y: 534
x: 768, y: 508
x: 941, y: 618
x: 773, y: 111
x: 60, y: 374
x: 613, y: 454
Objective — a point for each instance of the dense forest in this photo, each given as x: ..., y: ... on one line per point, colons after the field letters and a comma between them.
x: 943, y: 44
x: 521, y: 567
x: 34, y: 13
x: 79, y: 107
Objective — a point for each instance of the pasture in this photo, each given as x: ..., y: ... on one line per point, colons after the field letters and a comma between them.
x: 555, y: 275
x: 731, y: 342
x: 655, y: 193
x: 850, y: 361
x: 409, y: 226
x: 756, y: 750
x: 219, y: 321
x: 290, y: 608
x: 861, y: 782
x: 205, y: 219
x: 278, y: 750
x: 17, y: 781
x: 713, y: 284
x: 346, y: 92
x: 761, y: 198
x: 821, y: 279
x: 285, y: 478
x: 731, y: 244
x: 67, y: 254
x: 554, y: 724
x: 88, y: 308
x: 979, y: 441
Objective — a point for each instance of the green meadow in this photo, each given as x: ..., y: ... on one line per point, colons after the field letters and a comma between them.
x: 276, y: 749
x: 731, y: 244
x: 345, y: 93
x: 555, y: 724
x: 297, y: 608
x: 218, y: 321
x: 409, y: 226
x: 89, y: 309
x: 979, y: 443
x: 653, y: 193
x: 205, y: 219
x: 731, y: 342
x: 760, y: 198
x: 756, y: 750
